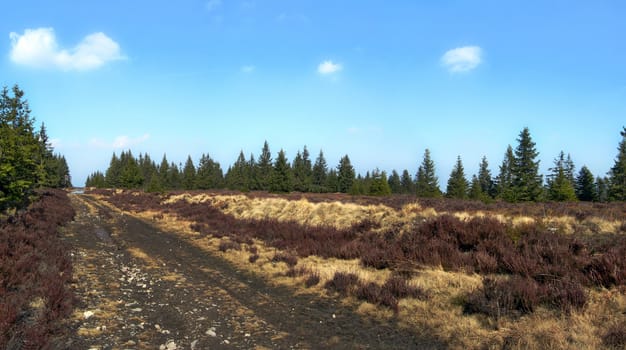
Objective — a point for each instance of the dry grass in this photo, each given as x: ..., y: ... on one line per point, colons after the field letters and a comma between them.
x: 441, y: 315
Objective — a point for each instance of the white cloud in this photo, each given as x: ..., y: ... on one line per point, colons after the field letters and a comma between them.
x: 39, y: 48
x: 212, y: 4
x: 247, y: 69
x: 121, y: 141
x: 328, y: 67
x: 462, y: 59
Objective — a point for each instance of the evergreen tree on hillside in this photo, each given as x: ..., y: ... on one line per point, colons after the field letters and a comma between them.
x: 560, y: 187
x: 527, y: 183
x: 320, y: 171
x: 585, y: 185
x: 148, y: 168
x: 163, y: 171
x: 617, y: 175
x: 345, y: 174
x: 302, y: 171
x: 504, y: 182
x: 210, y: 175
x: 394, y: 182
x: 130, y: 174
x: 332, y: 181
x: 475, y: 191
x: 378, y: 185
x: 427, y: 183
x: 113, y: 172
x: 457, y: 183
x: 189, y: 174
x: 20, y: 150
x: 174, y: 178
x: 408, y: 186
x: 238, y: 176
x: 263, y: 169
x: 487, y: 184
x: 96, y: 180
x: 282, y: 176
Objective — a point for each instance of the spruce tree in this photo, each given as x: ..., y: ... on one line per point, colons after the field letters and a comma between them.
x: 332, y: 181
x: 560, y: 187
x: 617, y: 175
x: 527, y: 183
x: 163, y: 172
x: 504, y: 182
x: 302, y: 171
x: 264, y: 168
x: 378, y: 185
x: 602, y: 189
x: 457, y: 183
x: 585, y: 186
x: 427, y: 183
x: 345, y: 174
x: 487, y: 185
x: 282, y: 176
x: 174, y: 180
x: 209, y: 174
x: 320, y: 171
x: 113, y: 172
x: 394, y: 182
x: 475, y: 190
x: 189, y: 174
x: 408, y: 185
x: 238, y: 175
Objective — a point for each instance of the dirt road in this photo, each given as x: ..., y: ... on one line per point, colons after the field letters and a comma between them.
x: 141, y: 288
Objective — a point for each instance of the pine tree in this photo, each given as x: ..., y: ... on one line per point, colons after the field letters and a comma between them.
x: 282, y: 177
x: 345, y: 174
x: 527, y: 183
x: 189, y: 174
x: 332, y: 181
x: 302, y: 171
x: 130, y: 174
x: 394, y: 182
x: 174, y: 179
x: 504, y: 182
x: 163, y: 171
x: 113, y: 172
x: 320, y: 171
x: 427, y: 183
x: 210, y: 174
x: 264, y: 168
x: 148, y: 169
x: 408, y: 185
x: 238, y: 176
x: 487, y: 185
x: 475, y: 190
x: 457, y: 183
x: 617, y: 175
x: 378, y: 185
x: 96, y: 180
x: 585, y: 186
x: 560, y: 188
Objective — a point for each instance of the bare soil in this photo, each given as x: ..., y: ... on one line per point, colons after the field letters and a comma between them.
x: 139, y: 287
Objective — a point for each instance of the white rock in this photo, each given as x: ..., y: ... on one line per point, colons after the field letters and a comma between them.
x: 246, y: 335
x: 211, y: 332
x: 226, y: 341
x: 157, y: 327
x: 88, y: 314
x: 193, y: 344
x: 170, y: 345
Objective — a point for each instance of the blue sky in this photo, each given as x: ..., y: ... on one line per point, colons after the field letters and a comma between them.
x: 377, y: 80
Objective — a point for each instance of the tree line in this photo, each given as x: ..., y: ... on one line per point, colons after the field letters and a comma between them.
x: 27, y: 160
x: 518, y: 179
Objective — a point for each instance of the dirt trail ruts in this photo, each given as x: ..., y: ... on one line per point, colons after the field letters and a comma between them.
x: 141, y: 288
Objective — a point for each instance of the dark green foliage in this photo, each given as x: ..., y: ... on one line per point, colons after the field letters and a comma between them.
x: 504, y: 182
x: 282, y: 176
x: 617, y: 175
x: 26, y: 158
x: 475, y: 190
x: 602, y: 189
x: 210, y: 176
x: 263, y: 170
x: 96, y: 180
x: 332, y: 181
x: 345, y: 174
x: 585, y: 186
x: 395, y: 184
x: 129, y: 174
x: 408, y: 185
x: 302, y: 172
x: 189, y: 174
x: 427, y: 183
x: 560, y: 185
x: 378, y: 185
x: 238, y: 175
x: 457, y: 183
x: 320, y: 172
x: 487, y: 185
x: 527, y: 183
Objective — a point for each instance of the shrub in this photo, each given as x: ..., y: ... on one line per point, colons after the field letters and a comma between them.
x: 312, y: 279
x: 342, y: 283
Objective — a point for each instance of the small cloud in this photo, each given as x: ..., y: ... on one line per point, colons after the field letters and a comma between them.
x: 39, y: 48
x: 212, y: 5
x: 462, y: 59
x: 247, y: 69
x: 328, y: 67
x: 122, y: 141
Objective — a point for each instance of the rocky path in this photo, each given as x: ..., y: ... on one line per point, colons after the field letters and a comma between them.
x: 142, y: 288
